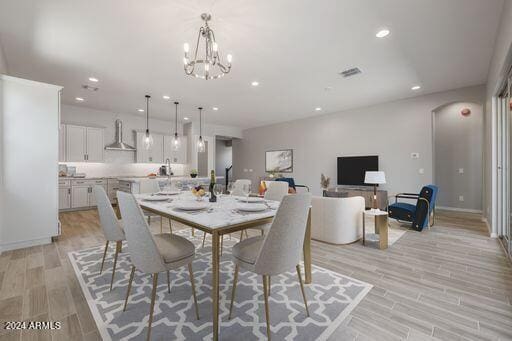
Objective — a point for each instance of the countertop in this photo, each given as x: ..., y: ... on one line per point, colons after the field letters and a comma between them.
x: 135, y: 178
x: 173, y: 178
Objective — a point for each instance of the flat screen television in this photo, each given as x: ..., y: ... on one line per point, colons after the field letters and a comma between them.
x: 351, y: 169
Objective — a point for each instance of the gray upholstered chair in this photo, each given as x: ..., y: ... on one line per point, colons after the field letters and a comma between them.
x: 111, y: 226
x: 276, y: 190
x: 238, y: 185
x: 276, y: 252
x: 153, y: 253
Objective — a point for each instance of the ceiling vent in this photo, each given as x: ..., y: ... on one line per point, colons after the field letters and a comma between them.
x: 89, y: 87
x: 350, y: 72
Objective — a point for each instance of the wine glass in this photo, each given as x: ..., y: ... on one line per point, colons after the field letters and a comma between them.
x: 231, y: 187
x: 246, y: 190
x: 218, y: 190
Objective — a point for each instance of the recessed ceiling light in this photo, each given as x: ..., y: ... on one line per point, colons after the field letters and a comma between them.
x: 140, y: 110
x: 318, y: 109
x: 166, y: 97
x: 416, y: 87
x: 185, y: 118
x: 93, y: 79
x: 255, y: 83
x: 79, y: 99
x: 215, y: 108
x: 382, y: 33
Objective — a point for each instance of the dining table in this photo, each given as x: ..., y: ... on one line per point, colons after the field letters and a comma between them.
x: 218, y: 219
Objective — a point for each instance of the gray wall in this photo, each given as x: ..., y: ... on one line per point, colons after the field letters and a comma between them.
x: 458, y: 142
x: 223, y: 157
x: 391, y: 130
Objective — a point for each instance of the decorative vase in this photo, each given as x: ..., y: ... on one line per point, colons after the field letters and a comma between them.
x: 193, y: 175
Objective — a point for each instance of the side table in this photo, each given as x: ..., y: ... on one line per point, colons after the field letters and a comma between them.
x: 381, y: 226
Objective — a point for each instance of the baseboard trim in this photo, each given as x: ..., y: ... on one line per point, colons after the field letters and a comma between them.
x: 24, y: 243
x: 456, y: 209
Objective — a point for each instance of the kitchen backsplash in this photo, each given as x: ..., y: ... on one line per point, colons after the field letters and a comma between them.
x: 128, y: 169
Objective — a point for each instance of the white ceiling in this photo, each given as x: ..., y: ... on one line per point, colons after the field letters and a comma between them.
x: 294, y: 48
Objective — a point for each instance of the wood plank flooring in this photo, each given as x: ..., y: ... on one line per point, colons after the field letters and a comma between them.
x: 450, y: 283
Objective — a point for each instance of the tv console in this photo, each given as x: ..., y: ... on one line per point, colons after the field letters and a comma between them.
x: 345, y: 191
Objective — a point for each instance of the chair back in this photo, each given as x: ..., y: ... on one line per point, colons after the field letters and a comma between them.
x: 108, y: 220
x: 149, y: 186
x: 427, y: 193
x: 290, y: 181
x: 282, y: 247
x: 141, y: 245
x: 276, y: 190
x: 238, y: 185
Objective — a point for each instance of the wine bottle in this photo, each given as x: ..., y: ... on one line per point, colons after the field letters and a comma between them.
x: 213, y: 197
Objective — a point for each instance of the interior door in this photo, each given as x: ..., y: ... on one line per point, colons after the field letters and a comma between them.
x: 76, y: 137
x: 95, y: 144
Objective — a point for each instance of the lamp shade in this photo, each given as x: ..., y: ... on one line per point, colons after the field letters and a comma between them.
x: 374, y: 177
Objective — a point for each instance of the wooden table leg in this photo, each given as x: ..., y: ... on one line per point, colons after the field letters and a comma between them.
x: 307, y: 250
x: 215, y: 283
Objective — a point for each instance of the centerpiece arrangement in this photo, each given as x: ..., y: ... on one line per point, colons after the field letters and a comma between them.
x: 199, y: 192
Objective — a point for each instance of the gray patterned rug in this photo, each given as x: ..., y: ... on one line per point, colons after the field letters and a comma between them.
x: 331, y: 298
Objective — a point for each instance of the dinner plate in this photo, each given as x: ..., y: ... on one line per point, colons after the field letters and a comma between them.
x: 168, y: 193
x: 250, y: 199
x: 191, y: 206
x: 155, y: 198
x: 251, y: 207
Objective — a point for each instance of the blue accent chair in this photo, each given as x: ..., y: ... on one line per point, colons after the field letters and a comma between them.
x: 292, y: 184
x: 419, y: 214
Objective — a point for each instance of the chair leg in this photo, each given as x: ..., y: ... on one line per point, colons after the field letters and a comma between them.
x: 204, y: 238
x: 246, y: 233
x: 118, y: 248
x: 193, y: 232
x: 193, y: 284
x: 170, y: 225
x: 149, y: 220
x: 235, y: 279
x: 104, y: 255
x: 241, y: 235
x: 269, y: 285
x: 168, y: 282
x: 152, y: 308
x: 132, y: 274
x: 221, y: 244
x: 267, y: 312
x: 161, y: 225
x: 302, y: 289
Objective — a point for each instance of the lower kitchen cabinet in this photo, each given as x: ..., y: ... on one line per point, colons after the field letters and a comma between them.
x: 80, y: 196
x: 64, y: 198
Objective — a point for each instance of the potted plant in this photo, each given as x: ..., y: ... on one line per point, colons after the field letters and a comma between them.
x: 324, y: 183
x: 193, y: 173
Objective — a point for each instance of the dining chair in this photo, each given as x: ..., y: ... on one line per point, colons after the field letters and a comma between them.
x: 153, y: 254
x: 111, y: 226
x: 276, y: 190
x: 238, y: 187
x: 148, y: 186
x: 277, y: 251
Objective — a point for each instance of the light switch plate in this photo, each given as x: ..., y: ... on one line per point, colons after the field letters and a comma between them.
x: 461, y: 170
x: 421, y: 171
x: 461, y: 198
x: 415, y: 155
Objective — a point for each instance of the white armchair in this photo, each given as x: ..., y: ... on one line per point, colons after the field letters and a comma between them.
x: 337, y: 220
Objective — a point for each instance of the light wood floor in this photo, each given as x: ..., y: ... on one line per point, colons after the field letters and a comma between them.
x: 450, y: 283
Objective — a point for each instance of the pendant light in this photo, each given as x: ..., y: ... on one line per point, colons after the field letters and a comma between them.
x: 200, y: 142
x: 148, y: 139
x: 176, y: 142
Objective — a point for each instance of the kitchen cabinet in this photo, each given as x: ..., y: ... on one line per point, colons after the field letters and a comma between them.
x: 80, y: 196
x: 64, y: 198
x: 176, y: 156
x: 155, y: 154
x: 84, y: 144
x: 62, y: 143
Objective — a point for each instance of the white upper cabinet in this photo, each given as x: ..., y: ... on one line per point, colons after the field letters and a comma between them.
x: 176, y: 156
x: 84, y: 144
x: 76, y: 143
x: 153, y: 155
x: 95, y: 144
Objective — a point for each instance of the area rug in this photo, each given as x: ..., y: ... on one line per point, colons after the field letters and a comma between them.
x: 331, y: 298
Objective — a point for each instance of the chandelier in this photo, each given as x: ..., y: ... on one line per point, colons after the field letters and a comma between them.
x: 211, y: 65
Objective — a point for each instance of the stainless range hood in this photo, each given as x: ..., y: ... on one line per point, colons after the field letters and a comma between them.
x: 118, y: 143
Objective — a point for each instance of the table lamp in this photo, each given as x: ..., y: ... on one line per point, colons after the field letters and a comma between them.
x: 374, y: 178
